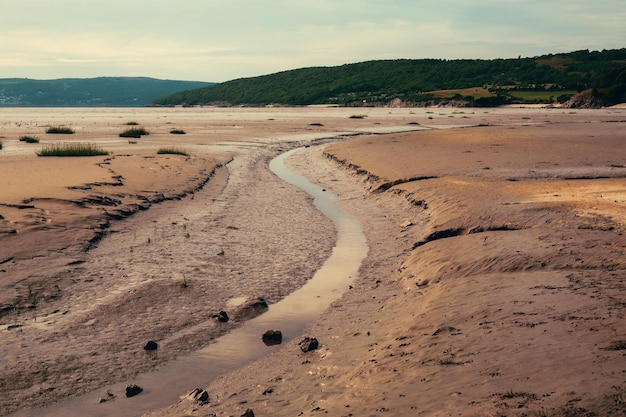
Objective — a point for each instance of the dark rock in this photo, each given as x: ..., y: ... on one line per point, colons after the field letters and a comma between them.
x: 222, y: 316
x: 272, y: 337
x: 198, y: 395
x: 151, y: 345
x: 308, y: 344
x: 248, y: 413
x: 133, y: 390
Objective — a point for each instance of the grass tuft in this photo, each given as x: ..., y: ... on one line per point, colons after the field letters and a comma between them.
x: 177, y: 132
x: 60, y: 130
x: 132, y: 124
x: 172, y: 151
x: 515, y: 394
x: 135, y: 132
x: 29, y: 139
x: 71, y: 149
x: 358, y: 116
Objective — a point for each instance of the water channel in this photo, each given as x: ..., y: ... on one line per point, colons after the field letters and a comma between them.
x: 243, y: 345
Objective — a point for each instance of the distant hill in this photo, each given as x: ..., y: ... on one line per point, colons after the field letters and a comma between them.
x: 542, y: 79
x: 86, y: 92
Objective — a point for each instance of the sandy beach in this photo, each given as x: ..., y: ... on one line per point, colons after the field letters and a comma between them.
x: 493, y: 285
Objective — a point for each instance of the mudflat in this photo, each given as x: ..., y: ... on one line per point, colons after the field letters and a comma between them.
x: 494, y: 282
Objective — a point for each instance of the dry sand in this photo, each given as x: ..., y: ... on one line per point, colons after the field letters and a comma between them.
x: 494, y: 284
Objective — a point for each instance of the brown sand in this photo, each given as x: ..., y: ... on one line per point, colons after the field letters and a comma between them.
x: 76, y: 309
x: 494, y: 283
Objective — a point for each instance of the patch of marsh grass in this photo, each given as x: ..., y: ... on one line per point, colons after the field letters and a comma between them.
x: 71, y: 149
x: 60, y: 130
x: 172, y: 151
x: 135, y: 132
x: 515, y: 394
x: 29, y: 139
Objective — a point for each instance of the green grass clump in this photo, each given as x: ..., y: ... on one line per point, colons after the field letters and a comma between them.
x: 172, y: 151
x: 177, y: 132
x: 545, y: 96
x: 135, y: 132
x: 29, y: 139
x: 71, y: 149
x: 60, y: 129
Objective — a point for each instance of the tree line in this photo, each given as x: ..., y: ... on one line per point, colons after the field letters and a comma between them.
x: 412, y: 81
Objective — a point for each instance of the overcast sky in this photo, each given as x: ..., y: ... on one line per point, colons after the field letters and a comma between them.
x: 220, y: 40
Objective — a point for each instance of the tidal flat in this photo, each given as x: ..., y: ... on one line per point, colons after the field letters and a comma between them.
x: 493, y: 279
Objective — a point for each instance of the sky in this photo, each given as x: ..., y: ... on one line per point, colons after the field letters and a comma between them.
x: 221, y: 40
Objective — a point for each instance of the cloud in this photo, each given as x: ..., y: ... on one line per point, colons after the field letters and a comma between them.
x: 217, y: 40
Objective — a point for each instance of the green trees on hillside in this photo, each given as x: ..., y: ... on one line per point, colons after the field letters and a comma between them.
x: 611, y: 86
x: 409, y: 80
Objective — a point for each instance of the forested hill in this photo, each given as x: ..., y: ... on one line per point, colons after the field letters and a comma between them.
x: 548, y: 78
x: 101, y: 91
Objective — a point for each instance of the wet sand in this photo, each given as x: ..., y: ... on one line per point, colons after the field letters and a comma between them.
x: 492, y: 284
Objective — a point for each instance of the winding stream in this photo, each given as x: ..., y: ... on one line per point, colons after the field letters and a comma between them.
x: 242, y: 345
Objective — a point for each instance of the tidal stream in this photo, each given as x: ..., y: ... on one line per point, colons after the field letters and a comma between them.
x: 243, y: 345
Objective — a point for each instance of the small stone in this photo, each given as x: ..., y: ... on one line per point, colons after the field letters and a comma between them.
x: 308, y: 344
x: 132, y: 390
x: 222, y: 317
x: 248, y: 413
x: 198, y: 395
x: 151, y: 345
x: 272, y: 337
x: 107, y: 397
